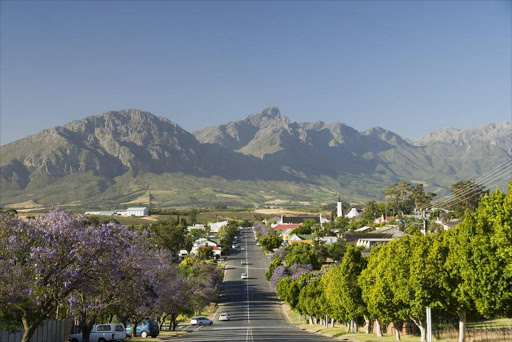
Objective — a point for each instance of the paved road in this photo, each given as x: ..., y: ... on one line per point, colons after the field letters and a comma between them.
x: 251, y: 303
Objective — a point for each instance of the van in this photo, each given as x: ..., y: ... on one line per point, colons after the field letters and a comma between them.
x: 103, y: 333
x: 145, y: 328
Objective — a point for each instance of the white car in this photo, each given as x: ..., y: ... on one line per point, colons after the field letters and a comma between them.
x: 243, y: 262
x: 242, y: 249
x: 257, y: 243
x: 102, y: 333
x: 244, y: 276
x: 224, y: 317
x: 200, y: 321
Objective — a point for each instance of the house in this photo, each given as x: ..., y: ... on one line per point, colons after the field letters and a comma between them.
x: 285, y: 234
x: 101, y: 213
x: 447, y: 225
x: 383, y: 219
x: 388, y: 232
x: 215, y: 227
x: 363, y: 229
x: 196, y: 226
x: 300, y: 239
x: 299, y: 219
x: 199, y: 243
x: 281, y: 227
x: 354, y: 213
x: 371, y: 242
x: 329, y: 239
x: 137, y: 211
x: 275, y: 219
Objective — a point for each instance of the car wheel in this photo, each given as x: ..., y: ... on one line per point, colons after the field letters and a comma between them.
x: 102, y: 340
x: 153, y: 336
x: 74, y: 340
x: 201, y: 323
x: 211, y: 323
x: 143, y: 334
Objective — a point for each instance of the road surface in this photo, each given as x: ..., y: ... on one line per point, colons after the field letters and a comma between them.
x: 256, y: 315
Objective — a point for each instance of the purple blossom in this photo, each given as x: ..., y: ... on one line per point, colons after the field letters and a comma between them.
x: 296, y: 270
x: 279, y: 272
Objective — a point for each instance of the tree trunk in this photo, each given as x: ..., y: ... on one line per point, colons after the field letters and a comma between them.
x: 86, y: 326
x: 29, y: 329
x: 368, y: 324
x: 422, y: 325
x: 332, y: 322
x: 378, y: 327
x: 173, y: 323
x: 398, y: 327
x: 462, y: 325
x: 310, y: 320
x: 134, y: 328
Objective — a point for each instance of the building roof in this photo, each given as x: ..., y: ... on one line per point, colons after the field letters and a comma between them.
x: 137, y: 208
x: 286, y: 226
x: 300, y: 219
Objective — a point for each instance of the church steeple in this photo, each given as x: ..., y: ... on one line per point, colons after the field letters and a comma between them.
x: 339, y: 211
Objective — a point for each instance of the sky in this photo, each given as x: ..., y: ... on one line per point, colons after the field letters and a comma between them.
x: 407, y: 66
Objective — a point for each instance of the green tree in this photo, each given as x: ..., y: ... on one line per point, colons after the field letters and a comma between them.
x: 301, y: 254
x: 205, y: 253
x: 273, y: 265
x: 268, y: 243
x: 169, y: 235
x: 479, y: 253
x: 336, y: 250
x: 349, y: 290
x: 399, y: 198
x: 466, y: 195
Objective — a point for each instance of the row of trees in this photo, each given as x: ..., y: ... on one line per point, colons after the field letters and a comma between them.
x: 63, y: 263
x: 466, y: 271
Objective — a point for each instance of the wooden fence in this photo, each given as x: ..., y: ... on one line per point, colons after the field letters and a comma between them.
x: 49, y: 331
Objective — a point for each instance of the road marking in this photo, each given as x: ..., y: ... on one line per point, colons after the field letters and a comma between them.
x: 198, y: 328
x: 247, y: 284
x: 248, y: 335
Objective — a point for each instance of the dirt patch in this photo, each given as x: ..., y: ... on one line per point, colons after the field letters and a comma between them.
x: 24, y: 205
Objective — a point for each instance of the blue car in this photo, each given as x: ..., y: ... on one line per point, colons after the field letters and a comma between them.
x: 145, y: 328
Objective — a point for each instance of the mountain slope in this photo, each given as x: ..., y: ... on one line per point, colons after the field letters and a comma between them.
x: 131, y: 156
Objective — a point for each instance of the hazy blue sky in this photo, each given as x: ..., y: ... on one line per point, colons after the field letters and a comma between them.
x: 407, y: 66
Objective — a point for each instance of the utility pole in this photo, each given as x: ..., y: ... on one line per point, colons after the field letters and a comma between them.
x: 429, y: 311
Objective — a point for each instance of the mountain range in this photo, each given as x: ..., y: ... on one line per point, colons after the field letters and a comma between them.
x: 132, y: 157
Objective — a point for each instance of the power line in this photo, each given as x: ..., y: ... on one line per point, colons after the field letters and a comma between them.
x: 491, y: 178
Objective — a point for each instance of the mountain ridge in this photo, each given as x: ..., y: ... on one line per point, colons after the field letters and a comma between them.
x: 117, y: 155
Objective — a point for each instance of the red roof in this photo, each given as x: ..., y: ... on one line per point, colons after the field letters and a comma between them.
x: 286, y: 226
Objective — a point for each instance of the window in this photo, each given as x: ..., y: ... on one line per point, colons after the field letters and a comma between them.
x: 104, y: 327
x: 119, y: 328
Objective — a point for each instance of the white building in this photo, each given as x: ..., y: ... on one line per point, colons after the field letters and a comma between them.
x: 339, y: 208
x: 141, y: 211
x: 203, y: 243
x: 196, y: 226
x: 372, y: 242
x: 354, y: 213
x: 215, y: 227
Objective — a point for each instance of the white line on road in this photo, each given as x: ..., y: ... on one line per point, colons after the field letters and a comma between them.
x: 247, y: 283
x: 198, y: 328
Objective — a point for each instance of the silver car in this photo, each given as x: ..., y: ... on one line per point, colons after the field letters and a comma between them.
x: 200, y: 321
x: 224, y: 317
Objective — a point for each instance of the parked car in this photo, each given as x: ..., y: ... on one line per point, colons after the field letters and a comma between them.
x: 147, y: 327
x: 224, y: 317
x: 257, y: 243
x: 103, y: 333
x: 243, y: 262
x: 244, y: 276
x: 200, y: 321
x: 242, y: 249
